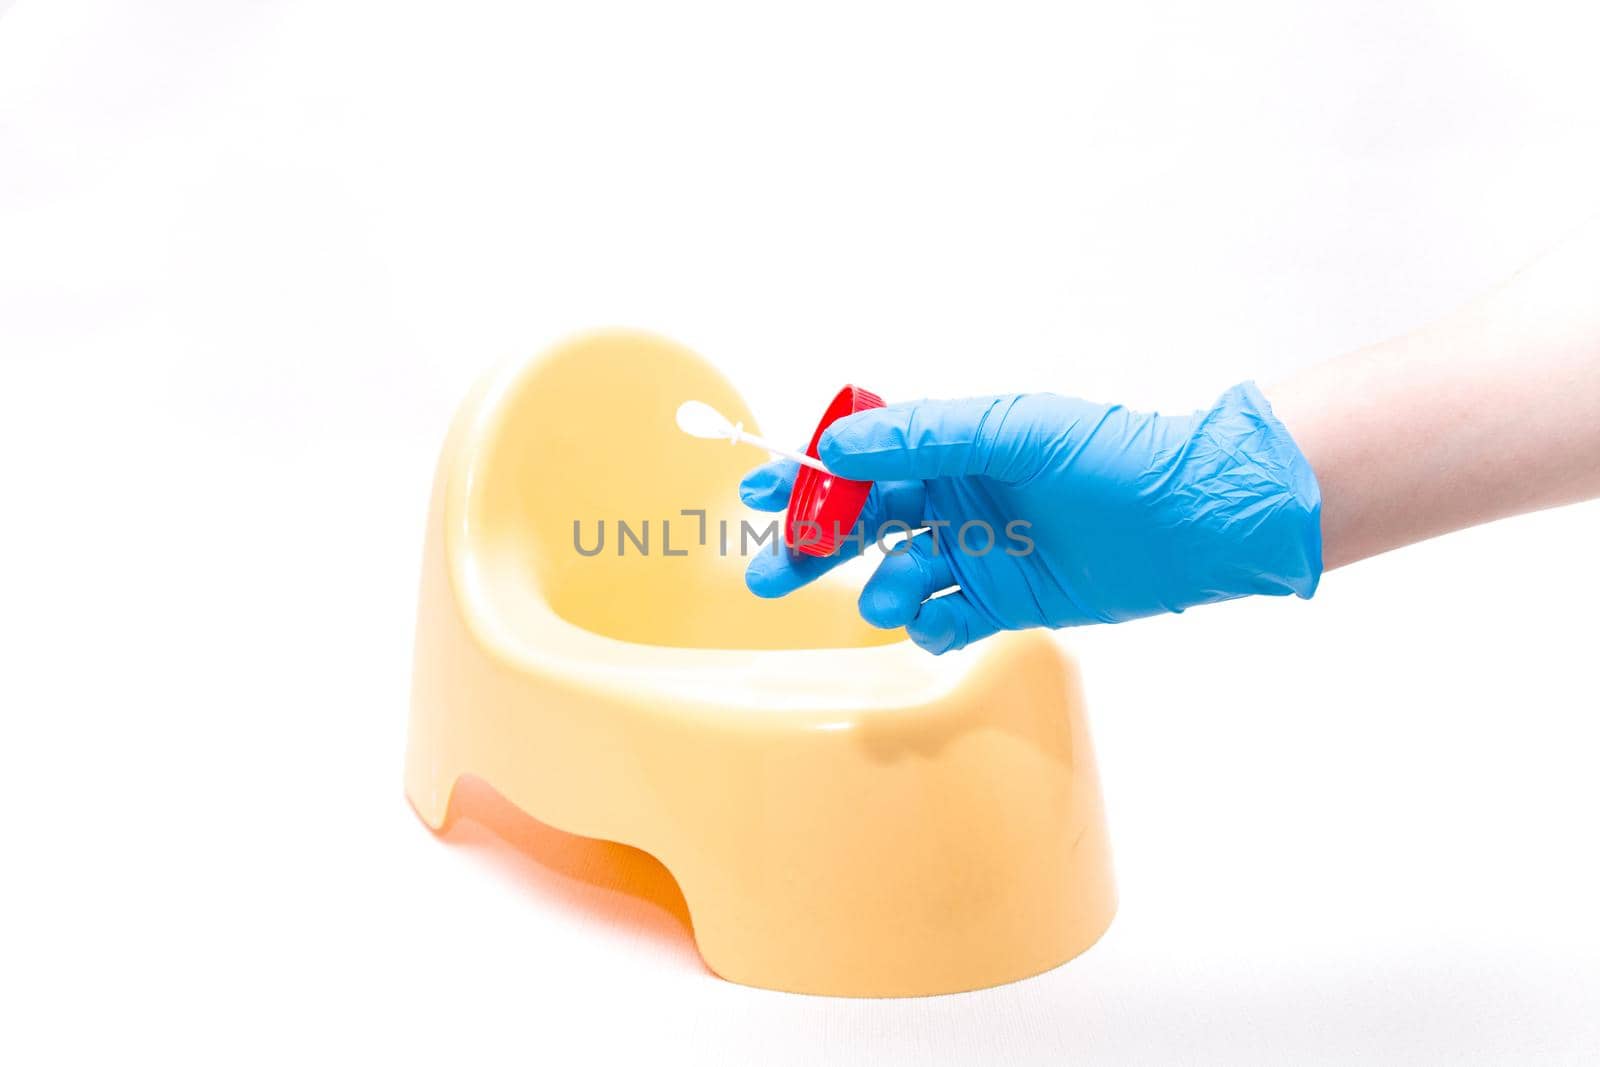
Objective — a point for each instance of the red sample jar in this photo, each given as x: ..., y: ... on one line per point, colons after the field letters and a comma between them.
x: 823, y: 508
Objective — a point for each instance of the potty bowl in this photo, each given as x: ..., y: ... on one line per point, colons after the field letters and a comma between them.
x: 843, y: 813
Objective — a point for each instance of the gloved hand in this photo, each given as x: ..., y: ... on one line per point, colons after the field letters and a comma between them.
x: 1072, y: 512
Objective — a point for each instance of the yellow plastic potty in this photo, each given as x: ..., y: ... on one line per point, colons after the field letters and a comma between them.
x: 844, y: 813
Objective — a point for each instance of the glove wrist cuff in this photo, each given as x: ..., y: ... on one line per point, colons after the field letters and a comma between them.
x: 1262, y: 499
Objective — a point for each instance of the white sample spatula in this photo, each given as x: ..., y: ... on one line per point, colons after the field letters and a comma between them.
x: 702, y: 420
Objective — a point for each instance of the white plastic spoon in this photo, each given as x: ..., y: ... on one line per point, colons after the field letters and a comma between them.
x: 702, y: 420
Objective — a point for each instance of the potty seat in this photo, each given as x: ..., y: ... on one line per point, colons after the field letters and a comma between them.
x: 844, y: 813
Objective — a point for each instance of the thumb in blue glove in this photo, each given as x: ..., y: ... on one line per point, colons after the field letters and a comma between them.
x: 1042, y: 510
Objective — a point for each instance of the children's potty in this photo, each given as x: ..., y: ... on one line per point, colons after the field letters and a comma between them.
x: 844, y: 813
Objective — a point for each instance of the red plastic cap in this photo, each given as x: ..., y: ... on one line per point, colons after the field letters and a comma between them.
x: 823, y: 509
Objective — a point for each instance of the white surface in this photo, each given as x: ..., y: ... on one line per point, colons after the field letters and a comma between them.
x: 252, y: 253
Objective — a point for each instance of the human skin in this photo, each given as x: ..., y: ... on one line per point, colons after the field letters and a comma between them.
x: 1491, y: 411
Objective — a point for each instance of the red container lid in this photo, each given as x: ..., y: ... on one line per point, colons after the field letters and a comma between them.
x: 823, y: 508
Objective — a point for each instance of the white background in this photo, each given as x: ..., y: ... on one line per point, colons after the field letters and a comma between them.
x: 251, y: 254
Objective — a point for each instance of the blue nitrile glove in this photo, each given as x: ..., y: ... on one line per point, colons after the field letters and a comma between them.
x: 1124, y: 514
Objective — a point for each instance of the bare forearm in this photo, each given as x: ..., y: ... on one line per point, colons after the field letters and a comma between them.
x: 1490, y: 412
